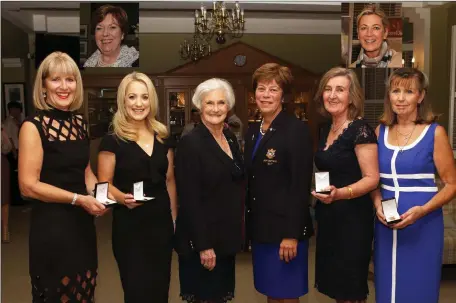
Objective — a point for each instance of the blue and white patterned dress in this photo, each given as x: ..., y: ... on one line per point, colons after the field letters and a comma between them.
x: 408, y: 261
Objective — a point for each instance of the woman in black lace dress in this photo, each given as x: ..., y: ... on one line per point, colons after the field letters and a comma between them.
x: 54, y: 171
x: 348, y: 151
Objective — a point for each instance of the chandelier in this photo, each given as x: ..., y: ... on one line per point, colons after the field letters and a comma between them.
x: 219, y: 22
x: 194, y: 50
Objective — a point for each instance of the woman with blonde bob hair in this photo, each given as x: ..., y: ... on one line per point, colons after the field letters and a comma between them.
x: 373, y: 27
x: 412, y: 149
x: 136, y: 154
x: 348, y: 153
x: 54, y: 171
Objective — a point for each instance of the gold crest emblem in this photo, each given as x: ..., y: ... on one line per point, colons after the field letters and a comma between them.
x: 271, y: 153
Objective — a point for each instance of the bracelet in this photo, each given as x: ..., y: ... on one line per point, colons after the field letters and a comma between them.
x: 350, y: 191
x: 75, y: 197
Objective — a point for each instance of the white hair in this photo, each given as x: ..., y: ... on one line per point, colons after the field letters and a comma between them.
x: 211, y: 85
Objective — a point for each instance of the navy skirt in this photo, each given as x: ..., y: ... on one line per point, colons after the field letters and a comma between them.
x: 277, y: 279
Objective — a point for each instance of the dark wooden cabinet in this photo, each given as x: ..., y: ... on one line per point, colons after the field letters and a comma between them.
x: 175, y: 90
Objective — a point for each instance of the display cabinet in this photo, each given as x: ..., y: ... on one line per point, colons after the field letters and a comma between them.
x: 100, y: 109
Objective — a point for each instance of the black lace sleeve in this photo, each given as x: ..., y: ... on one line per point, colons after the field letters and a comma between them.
x: 364, y: 134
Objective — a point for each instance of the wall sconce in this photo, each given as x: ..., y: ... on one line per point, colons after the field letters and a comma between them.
x: 403, y: 62
x: 413, y: 61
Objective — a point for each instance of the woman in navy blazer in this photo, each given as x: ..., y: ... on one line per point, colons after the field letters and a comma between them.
x: 278, y: 158
x: 210, y: 186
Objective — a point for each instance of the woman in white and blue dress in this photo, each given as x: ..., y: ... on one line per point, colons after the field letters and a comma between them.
x: 412, y: 149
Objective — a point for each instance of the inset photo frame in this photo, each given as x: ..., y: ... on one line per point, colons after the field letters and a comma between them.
x: 371, y: 35
x: 13, y: 92
x: 111, y: 27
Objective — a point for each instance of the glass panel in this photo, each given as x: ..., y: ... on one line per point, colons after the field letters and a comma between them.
x: 176, y: 101
x: 102, y: 105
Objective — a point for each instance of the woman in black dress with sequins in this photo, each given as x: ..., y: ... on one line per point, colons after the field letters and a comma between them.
x: 54, y: 171
x: 141, y: 232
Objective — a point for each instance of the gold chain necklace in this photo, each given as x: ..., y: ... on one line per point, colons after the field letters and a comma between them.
x: 407, y: 139
x: 337, y: 129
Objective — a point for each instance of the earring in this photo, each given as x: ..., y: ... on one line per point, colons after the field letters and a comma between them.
x: 44, y: 95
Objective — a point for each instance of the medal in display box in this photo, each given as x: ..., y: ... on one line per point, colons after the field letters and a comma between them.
x: 138, y: 192
x: 390, y: 211
x: 101, y: 194
x: 322, y: 183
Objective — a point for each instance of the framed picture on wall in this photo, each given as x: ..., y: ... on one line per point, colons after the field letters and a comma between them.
x: 13, y: 92
x: 83, y: 48
x: 83, y: 31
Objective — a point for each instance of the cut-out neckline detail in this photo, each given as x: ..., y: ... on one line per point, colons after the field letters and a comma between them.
x: 56, y: 128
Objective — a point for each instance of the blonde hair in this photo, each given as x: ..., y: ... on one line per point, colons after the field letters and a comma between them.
x: 372, y: 9
x: 211, y: 85
x: 57, y: 62
x: 406, y: 77
x: 356, y: 96
x: 122, y: 127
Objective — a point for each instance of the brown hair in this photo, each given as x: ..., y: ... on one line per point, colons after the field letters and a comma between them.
x: 372, y: 9
x: 116, y: 11
x: 406, y: 77
x: 356, y: 106
x: 273, y: 71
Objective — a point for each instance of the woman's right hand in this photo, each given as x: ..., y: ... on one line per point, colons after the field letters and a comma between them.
x: 91, y: 205
x: 380, y: 216
x: 130, y: 202
x: 208, y: 258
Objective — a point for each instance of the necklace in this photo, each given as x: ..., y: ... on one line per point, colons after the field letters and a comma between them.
x: 337, y: 129
x: 407, y: 139
x: 101, y: 63
x: 261, y: 128
x: 143, y: 144
x: 405, y: 135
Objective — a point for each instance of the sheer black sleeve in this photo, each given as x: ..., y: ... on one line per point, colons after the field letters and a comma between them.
x: 363, y: 133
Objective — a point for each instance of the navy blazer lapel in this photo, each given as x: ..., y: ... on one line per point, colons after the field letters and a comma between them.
x: 213, y: 146
x: 270, y: 133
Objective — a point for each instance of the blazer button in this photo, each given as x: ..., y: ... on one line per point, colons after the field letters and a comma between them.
x: 254, y: 199
x: 253, y: 177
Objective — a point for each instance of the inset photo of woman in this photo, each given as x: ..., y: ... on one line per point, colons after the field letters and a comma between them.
x: 109, y: 34
x: 371, y: 35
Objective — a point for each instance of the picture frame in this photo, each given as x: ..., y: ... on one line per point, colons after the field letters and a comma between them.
x: 83, y: 31
x: 83, y: 48
x: 13, y: 92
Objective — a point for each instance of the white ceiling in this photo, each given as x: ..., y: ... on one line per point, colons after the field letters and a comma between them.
x: 304, y: 17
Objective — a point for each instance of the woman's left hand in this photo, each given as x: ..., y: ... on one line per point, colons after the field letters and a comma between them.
x: 288, y: 249
x: 410, y: 217
x: 329, y: 198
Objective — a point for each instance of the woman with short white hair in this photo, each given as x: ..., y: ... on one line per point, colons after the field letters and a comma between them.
x: 209, y: 176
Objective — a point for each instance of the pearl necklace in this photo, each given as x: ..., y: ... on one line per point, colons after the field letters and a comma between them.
x: 261, y: 128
